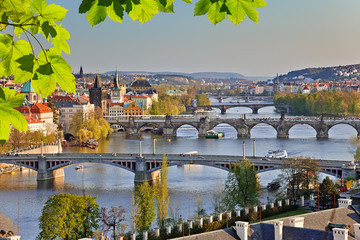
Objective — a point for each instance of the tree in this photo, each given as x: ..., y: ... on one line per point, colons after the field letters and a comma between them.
x: 217, y: 197
x: 6, y: 224
x: 241, y: 186
x: 200, y: 211
x: 327, y: 191
x: 298, y: 175
x: 161, y: 193
x: 112, y: 218
x: 145, y: 206
x: 68, y: 216
x: 37, y: 19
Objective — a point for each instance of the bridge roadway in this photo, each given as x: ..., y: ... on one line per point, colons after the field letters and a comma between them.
x: 146, y: 167
x: 253, y: 106
x: 168, y: 125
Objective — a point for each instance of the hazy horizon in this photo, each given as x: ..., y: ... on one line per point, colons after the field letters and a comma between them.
x: 289, y: 36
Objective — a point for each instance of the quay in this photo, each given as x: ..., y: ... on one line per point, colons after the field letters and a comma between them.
x: 146, y: 166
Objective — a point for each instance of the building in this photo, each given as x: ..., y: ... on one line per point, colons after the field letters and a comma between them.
x: 67, y: 111
x: 133, y: 109
x: 145, y: 100
x: 116, y: 109
x: 30, y: 93
x: 38, y: 115
x: 118, y: 91
x: 140, y: 85
x: 175, y: 92
x: 98, y: 95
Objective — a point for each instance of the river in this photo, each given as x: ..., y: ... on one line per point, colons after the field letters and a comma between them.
x: 113, y: 186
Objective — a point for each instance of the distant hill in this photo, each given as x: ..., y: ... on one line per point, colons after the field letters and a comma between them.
x: 196, y: 75
x: 324, y: 73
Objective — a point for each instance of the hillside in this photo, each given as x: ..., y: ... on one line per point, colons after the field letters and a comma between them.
x: 324, y: 73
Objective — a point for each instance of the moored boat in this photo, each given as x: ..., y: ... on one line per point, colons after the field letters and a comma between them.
x: 213, y: 134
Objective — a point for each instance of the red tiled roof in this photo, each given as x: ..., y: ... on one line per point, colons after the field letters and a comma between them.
x: 32, y: 120
x: 114, y: 104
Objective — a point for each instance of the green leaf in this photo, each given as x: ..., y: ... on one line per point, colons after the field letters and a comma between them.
x: 251, y: 11
x: 202, y: 7
x: 55, y: 71
x: 48, y: 29
x: 257, y: 3
x: 54, y: 12
x: 115, y: 11
x: 96, y: 14
x: 215, y: 15
x: 237, y: 11
x: 187, y: 1
x: 8, y: 115
x: 13, y: 51
x: 59, y: 40
x: 38, y: 6
x: 25, y: 71
x: 85, y: 5
x: 10, y: 97
x: 105, y: 3
x: 34, y: 29
x: 144, y: 11
x: 166, y: 6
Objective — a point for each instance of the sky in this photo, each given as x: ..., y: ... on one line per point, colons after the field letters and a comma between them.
x: 290, y: 35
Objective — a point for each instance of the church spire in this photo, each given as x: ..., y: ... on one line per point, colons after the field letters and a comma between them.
x: 81, y: 72
x: 97, y: 83
x: 116, y: 80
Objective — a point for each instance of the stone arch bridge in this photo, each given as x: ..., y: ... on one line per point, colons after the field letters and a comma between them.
x: 253, y: 106
x: 147, y: 167
x: 169, y: 125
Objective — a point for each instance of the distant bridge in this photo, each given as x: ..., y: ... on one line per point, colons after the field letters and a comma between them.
x: 146, y: 167
x: 253, y: 106
x: 168, y: 125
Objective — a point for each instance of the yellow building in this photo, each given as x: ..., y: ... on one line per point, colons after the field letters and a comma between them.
x: 133, y: 108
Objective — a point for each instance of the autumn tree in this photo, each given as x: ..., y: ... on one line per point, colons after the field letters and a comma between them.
x: 112, y: 218
x: 68, y: 216
x: 241, y: 186
x: 145, y: 206
x: 217, y: 197
x: 297, y: 175
x: 7, y: 224
x: 161, y: 193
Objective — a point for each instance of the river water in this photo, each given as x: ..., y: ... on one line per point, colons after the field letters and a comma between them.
x: 114, y: 186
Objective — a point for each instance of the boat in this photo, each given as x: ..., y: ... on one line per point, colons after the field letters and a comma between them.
x: 213, y: 134
x: 277, y: 154
x: 79, y: 167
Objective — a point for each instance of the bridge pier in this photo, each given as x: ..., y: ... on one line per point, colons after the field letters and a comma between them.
x: 243, y: 131
x: 204, y: 127
x: 43, y: 172
x: 223, y: 110
x: 322, y: 132
x: 255, y: 110
x: 282, y: 131
x: 169, y: 129
x: 141, y: 174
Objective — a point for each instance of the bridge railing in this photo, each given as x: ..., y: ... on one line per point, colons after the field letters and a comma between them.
x: 148, y: 117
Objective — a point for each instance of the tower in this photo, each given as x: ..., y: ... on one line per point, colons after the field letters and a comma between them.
x: 81, y: 74
x: 116, y: 93
x: 277, y: 83
x: 30, y: 93
x: 98, y: 95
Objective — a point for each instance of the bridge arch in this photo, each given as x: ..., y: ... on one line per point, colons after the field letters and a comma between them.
x: 225, y: 124
x: 307, y: 129
x: 191, y: 125
x: 71, y: 163
x: 331, y: 127
x: 124, y: 126
x: 34, y: 167
x: 261, y: 124
x: 147, y: 124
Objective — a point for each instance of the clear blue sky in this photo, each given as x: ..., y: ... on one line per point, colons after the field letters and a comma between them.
x: 290, y: 35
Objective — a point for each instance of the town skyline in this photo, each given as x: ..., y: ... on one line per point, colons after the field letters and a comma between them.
x: 289, y: 36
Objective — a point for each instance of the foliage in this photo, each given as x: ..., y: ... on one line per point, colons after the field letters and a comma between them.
x: 89, y: 128
x: 67, y: 216
x: 297, y: 175
x: 327, y: 191
x: 200, y: 211
x: 143, y: 10
x: 112, y: 218
x: 145, y: 206
x: 6, y: 224
x: 337, y: 102
x: 217, y: 197
x: 8, y: 115
x: 161, y: 193
x: 241, y: 186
